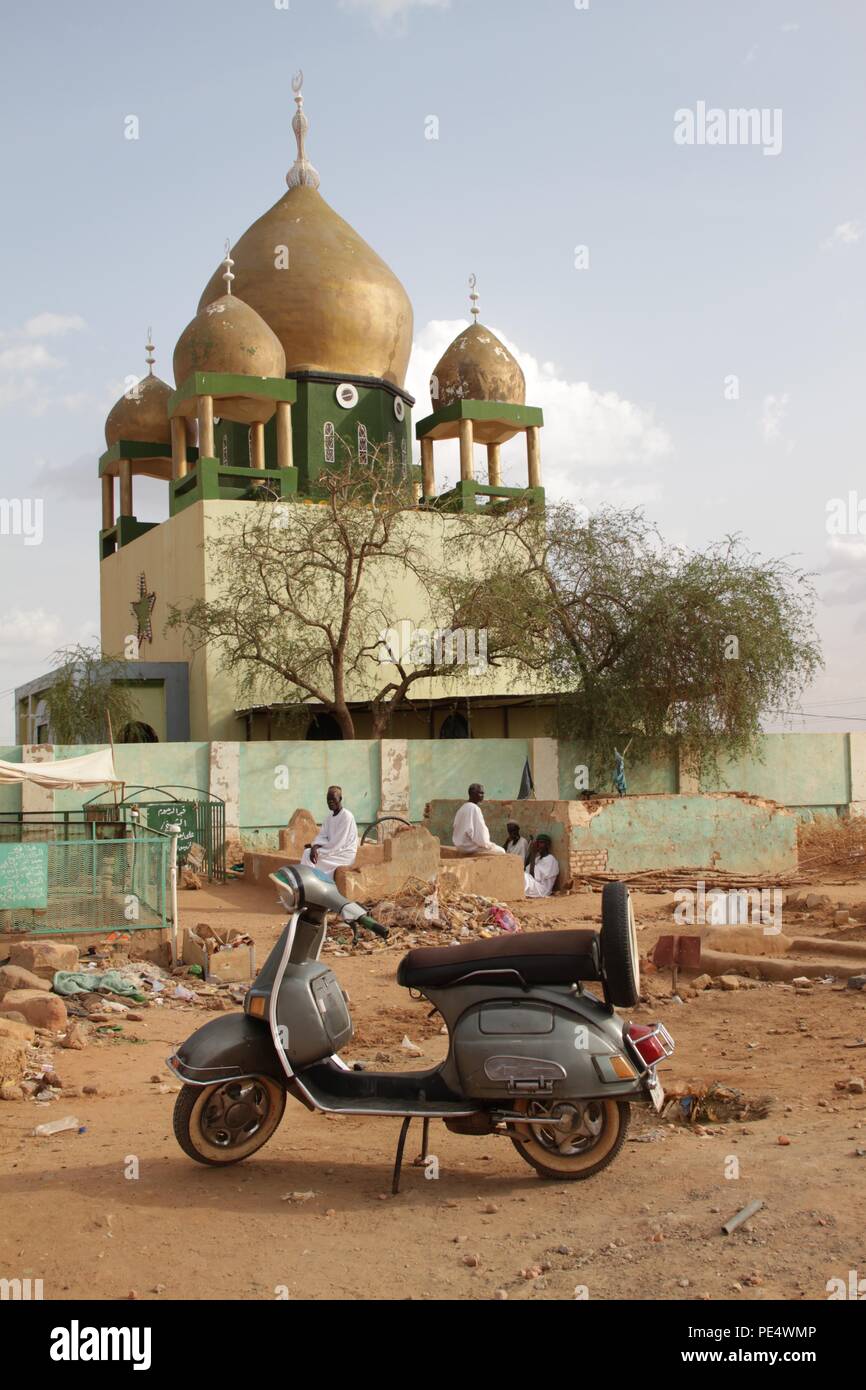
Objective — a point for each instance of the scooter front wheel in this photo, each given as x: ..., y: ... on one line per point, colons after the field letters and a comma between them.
x: 581, y: 1138
x: 228, y: 1121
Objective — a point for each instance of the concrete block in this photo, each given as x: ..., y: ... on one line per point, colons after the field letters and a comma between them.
x: 39, y: 1007
x: 44, y: 958
x: 16, y: 977
x: 490, y: 875
x: 381, y: 870
x: 300, y: 831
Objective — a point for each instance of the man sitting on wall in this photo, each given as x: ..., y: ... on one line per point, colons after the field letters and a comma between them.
x: 337, y: 842
x: 542, y: 871
x: 470, y: 834
x: 516, y: 843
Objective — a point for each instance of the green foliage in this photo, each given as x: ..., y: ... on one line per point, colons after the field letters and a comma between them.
x: 85, y: 703
x: 645, y: 642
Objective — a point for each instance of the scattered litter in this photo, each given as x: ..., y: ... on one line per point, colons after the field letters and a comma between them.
x: 57, y: 1126
x: 408, y: 1046
x: 743, y: 1215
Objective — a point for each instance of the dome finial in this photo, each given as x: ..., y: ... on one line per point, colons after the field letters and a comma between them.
x: 302, y: 171
x: 228, y: 263
x: 148, y: 347
x: 475, y: 311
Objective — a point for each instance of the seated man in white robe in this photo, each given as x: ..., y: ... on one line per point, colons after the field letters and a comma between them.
x: 470, y: 834
x: 336, y: 844
x: 540, y: 876
x: 516, y: 843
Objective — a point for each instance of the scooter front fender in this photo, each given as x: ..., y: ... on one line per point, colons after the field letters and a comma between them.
x: 225, y: 1049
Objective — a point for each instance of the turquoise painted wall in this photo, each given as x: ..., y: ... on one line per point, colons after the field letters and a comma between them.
x: 148, y: 764
x: 797, y: 769
x: 659, y: 775
x: 445, y: 767
x: 10, y: 797
x: 310, y: 768
x: 689, y: 832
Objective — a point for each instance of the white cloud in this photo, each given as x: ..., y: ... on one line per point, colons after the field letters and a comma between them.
x: 587, y: 432
x: 28, y: 357
x: 790, y: 28
x: 53, y: 325
x: 773, y: 412
x: 28, y: 633
x: 392, y: 13
x: 752, y: 54
x: 846, y: 234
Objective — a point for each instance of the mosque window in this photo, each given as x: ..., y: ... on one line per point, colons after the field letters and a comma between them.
x: 137, y: 732
x: 329, y: 441
x: 454, y: 726
x: 324, y: 727
x: 362, y: 445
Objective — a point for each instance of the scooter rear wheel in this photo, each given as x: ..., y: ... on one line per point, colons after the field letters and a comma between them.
x: 577, y: 1145
x: 228, y: 1121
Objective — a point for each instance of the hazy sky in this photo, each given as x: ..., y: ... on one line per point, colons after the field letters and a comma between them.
x: 702, y: 356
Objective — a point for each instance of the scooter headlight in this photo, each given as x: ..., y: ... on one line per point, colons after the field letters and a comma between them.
x: 288, y: 888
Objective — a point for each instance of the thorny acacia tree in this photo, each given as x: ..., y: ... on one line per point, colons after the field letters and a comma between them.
x: 303, y: 592
x: 86, y: 700
x: 645, y: 642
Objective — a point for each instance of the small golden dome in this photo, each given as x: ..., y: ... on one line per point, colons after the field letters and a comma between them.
x: 228, y: 336
x: 141, y: 414
x: 332, y: 302
x: 477, y: 367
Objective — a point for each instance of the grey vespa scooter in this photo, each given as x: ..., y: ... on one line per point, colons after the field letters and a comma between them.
x: 533, y: 1054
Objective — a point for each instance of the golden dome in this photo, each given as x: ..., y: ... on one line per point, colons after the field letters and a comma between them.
x: 228, y: 336
x: 332, y: 302
x: 141, y: 414
x: 477, y: 367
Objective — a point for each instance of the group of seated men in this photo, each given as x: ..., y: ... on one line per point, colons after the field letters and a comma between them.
x: 336, y: 844
x: 471, y: 836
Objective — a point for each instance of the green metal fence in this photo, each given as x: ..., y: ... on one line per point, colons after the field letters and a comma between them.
x: 83, y: 885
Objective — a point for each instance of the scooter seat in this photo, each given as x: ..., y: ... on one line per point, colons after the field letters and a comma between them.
x: 538, y: 958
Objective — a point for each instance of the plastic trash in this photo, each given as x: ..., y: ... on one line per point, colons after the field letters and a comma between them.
x: 57, y: 1126
x: 181, y: 992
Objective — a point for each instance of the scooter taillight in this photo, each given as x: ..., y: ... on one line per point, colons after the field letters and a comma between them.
x: 652, y: 1043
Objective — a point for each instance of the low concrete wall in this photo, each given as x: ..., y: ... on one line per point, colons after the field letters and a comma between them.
x: 625, y: 835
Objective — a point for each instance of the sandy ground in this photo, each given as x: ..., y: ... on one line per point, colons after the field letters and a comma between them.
x: 647, y: 1227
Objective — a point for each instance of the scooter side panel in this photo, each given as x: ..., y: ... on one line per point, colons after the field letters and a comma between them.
x: 552, y: 1025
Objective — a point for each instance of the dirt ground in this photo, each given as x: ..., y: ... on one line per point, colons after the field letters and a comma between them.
x: 311, y: 1216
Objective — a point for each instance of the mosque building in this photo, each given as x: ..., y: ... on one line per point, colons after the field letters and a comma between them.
x: 301, y: 340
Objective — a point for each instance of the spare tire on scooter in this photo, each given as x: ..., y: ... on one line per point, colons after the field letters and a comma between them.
x: 620, y: 963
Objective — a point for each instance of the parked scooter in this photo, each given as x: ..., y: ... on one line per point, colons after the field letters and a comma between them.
x: 533, y: 1054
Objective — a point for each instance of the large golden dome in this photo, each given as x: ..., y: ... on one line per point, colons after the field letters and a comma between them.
x: 332, y: 302
x: 228, y: 336
x: 141, y: 414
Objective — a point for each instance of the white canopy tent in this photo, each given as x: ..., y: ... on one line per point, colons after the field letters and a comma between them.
x: 88, y: 770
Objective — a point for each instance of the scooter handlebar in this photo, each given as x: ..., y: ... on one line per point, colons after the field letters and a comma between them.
x: 372, y: 925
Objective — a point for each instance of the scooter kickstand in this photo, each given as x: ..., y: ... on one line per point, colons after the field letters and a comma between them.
x: 398, y: 1161
x: 420, y: 1161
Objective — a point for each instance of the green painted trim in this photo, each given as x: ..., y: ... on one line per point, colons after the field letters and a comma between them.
x: 269, y: 388
x: 462, y: 497
x: 212, y: 480
x: 124, y: 530
x: 521, y: 416
x: 133, y: 449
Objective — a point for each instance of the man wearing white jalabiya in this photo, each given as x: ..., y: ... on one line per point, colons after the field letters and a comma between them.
x: 337, y: 842
x: 470, y: 834
x: 541, y: 874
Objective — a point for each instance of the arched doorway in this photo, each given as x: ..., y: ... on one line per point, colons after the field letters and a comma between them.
x: 137, y: 732
x: 454, y: 726
x: 324, y: 726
